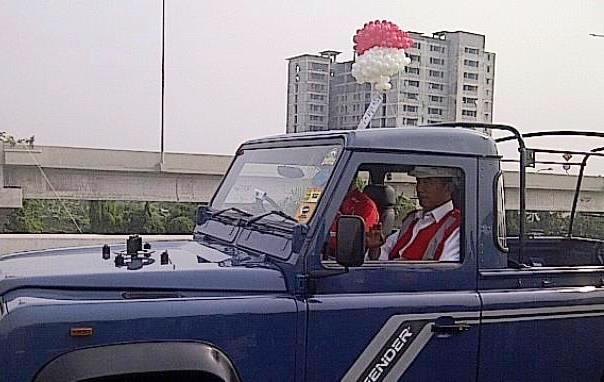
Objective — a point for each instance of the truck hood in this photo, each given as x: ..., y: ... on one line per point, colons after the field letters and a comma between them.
x: 192, y: 266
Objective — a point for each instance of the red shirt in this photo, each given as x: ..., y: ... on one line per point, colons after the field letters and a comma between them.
x: 436, y: 234
x: 358, y: 204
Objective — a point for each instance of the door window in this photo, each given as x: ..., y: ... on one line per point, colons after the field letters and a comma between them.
x: 412, y: 213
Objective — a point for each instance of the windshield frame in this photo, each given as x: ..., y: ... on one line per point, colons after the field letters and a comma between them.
x: 337, y: 140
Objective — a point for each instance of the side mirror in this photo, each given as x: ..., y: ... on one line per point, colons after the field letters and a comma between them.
x: 350, y: 241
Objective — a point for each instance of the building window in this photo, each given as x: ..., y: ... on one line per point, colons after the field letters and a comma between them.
x: 317, y: 87
x: 488, y: 81
x: 470, y: 76
x: 414, y: 58
x: 470, y: 88
x: 410, y: 121
x: 436, y: 86
x: 417, y: 45
x: 411, y: 95
x: 472, y: 63
x: 438, y: 99
x: 319, y: 108
x: 435, y: 110
x: 317, y: 97
x: 316, y: 118
x: 437, y: 48
x: 470, y: 100
x: 468, y: 113
x: 410, y: 108
x: 437, y: 61
x: 437, y: 74
x: 318, y: 67
x: 317, y: 76
x: 488, y: 68
x: 412, y: 83
x: 411, y: 70
x: 471, y: 50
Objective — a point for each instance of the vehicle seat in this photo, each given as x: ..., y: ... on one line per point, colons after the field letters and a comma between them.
x: 385, y: 198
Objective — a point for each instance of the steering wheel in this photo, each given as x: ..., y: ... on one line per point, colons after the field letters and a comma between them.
x: 261, y: 197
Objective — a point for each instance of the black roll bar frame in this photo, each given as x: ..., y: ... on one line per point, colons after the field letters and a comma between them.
x: 523, y: 150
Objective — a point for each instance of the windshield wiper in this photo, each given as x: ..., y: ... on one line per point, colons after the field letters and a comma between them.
x: 272, y: 212
x: 240, y: 211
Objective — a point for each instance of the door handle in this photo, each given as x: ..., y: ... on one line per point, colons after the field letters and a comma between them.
x: 547, y: 283
x: 446, y: 327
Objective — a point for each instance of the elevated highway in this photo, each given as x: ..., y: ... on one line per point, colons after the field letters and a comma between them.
x: 50, y: 172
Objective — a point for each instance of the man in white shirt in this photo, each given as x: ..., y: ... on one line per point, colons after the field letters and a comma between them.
x: 431, y: 233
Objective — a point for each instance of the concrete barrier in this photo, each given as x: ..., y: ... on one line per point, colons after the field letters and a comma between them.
x: 10, y: 243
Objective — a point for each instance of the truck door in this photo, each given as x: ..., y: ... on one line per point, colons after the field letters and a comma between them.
x: 397, y: 320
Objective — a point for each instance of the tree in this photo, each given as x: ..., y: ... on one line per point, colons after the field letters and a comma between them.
x: 27, y: 219
x: 402, y: 207
x: 105, y: 216
x: 180, y: 225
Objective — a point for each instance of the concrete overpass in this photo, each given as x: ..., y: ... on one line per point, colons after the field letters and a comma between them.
x: 49, y: 172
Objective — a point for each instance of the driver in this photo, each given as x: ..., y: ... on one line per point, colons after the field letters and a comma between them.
x: 430, y: 233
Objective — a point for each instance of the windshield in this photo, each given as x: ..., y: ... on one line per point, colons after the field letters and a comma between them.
x: 290, y: 180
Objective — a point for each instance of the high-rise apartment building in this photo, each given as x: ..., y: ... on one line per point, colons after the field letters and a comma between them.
x: 450, y: 78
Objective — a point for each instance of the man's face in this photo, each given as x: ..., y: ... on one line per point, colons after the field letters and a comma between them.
x: 433, y: 192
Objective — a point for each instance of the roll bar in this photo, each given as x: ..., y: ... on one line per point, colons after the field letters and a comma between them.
x: 529, y: 153
x: 593, y: 152
x: 523, y: 163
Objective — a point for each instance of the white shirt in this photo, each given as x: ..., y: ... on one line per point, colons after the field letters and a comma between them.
x: 451, y: 246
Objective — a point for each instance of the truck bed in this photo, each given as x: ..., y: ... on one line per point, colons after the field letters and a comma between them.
x: 550, y: 251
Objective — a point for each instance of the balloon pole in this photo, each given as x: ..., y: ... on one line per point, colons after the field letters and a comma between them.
x: 376, y: 101
x: 379, y: 49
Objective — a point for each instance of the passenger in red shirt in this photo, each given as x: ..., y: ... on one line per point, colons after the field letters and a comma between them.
x: 358, y: 204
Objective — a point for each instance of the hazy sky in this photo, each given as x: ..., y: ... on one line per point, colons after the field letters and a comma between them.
x: 88, y: 73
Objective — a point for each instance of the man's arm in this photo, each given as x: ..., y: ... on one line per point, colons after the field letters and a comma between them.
x: 380, y: 250
x: 388, y: 245
x: 451, y: 248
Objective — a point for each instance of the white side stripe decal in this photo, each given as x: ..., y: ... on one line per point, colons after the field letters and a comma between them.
x: 403, y: 337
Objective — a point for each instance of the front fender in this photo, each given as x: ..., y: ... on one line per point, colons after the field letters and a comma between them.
x: 110, y: 360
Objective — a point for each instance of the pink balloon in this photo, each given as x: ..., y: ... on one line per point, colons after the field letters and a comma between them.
x: 380, y: 33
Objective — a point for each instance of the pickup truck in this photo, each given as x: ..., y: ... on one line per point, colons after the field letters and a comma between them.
x: 255, y: 295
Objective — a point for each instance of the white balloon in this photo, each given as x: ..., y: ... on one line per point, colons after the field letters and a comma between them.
x: 377, y: 65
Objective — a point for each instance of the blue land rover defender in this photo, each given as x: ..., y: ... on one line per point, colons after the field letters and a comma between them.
x: 257, y: 295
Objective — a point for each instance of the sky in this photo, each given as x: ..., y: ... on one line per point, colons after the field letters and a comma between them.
x: 88, y: 73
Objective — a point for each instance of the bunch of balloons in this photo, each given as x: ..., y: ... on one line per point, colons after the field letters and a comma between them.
x: 380, y: 48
